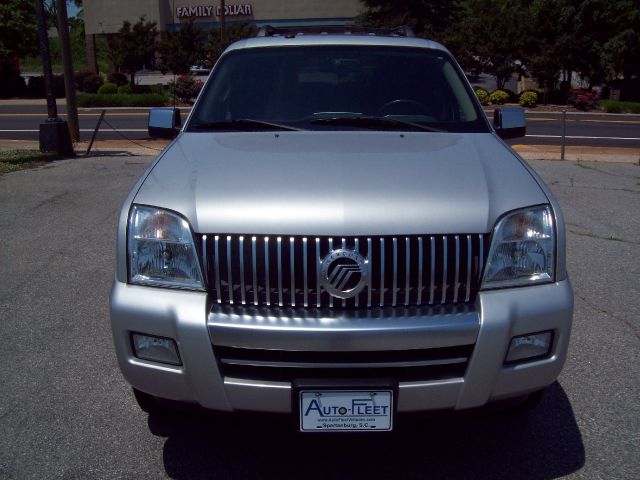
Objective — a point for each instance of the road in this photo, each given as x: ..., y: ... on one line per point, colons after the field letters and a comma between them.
x: 66, y: 412
x: 21, y: 122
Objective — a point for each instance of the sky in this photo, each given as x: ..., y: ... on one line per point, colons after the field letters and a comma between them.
x: 72, y: 10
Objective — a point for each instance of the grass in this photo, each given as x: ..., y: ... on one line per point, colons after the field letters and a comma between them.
x: 14, y: 160
x: 121, y: 100
x: 612, y: 106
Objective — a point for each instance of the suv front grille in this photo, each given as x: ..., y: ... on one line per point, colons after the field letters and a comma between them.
x: 402, y: 365
x: 284, y: 271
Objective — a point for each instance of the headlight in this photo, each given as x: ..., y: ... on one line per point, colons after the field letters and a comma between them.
x: 161, y: 250
x: 522, y: 249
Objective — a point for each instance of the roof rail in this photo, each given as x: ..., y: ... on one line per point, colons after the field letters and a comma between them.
x: 290, y: 32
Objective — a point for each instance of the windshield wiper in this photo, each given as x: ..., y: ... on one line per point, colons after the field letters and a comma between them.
x: 373, y: 122
x: 242, y: 124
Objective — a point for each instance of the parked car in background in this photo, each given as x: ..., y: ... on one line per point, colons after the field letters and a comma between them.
x: 199, y: 70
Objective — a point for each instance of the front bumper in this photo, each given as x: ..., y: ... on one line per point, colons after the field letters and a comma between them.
x: 489, y: 324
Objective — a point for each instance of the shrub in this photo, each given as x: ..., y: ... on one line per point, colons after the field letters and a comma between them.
x: 108, y: 89
x: 142, y: 89
x: 513, y: 96
x: 158, y: 88
x: 482, y: 94
x: 35, y: 86
x: 583, y: 99
x: 613, y: 106
x: 118, y: 78
x: 87, y: 100
x: 528, y: 99
x: 185, y: 88
x: 499, y: 97
x: 126, y: 89
x: 88, y: 81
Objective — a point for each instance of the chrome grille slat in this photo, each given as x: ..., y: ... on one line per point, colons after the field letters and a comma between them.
x: 370, y: 257
x: 394, y: 294
x: 467, y: 291
x: 382, y: 272
x: 205, y: 258
x: 456, y: 282
x: 407, y: 271
x: 444, y: 271
x: 344, y: 246
x: 229, y: 270
x: 279, y: 242
x: 432, y: 288
x: 217, y: 268
x: 331, y: 250
x: 267, y: 288
x: 319, y: 262
x: 305, y: 273
x: 292, y: 268
x: 419, y: 302
x: 254, y: 270
x: 403, y: 271
x: 242, y: 292
x: 357, y: 249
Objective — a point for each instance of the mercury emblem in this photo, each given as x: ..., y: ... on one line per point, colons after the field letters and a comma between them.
x: 344, y: 273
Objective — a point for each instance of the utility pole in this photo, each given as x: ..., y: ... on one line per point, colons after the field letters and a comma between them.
x: 54, y: 134
x: 69, y: 84
x: 222, y: 19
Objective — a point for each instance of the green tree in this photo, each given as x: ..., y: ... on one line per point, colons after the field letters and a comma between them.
x: 18, y: 38
x: 233, y: 32
x: 621, y: 50
x: 428, y: 18
x: 492, y: 32
x: 133, y: 47
x: 18, y: 32
x: 181, y: 49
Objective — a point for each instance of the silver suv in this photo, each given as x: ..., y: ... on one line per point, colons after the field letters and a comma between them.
x: 338, y: 233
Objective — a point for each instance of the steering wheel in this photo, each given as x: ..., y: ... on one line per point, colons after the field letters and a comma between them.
x: 400, y: 101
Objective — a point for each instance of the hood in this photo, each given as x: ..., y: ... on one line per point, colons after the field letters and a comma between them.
x: 339, y: 183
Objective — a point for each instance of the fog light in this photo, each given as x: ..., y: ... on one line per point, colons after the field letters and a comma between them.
x: 527, y: 347
x: 156, y: 349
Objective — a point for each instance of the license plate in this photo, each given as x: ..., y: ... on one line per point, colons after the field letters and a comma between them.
x: 344, y: 410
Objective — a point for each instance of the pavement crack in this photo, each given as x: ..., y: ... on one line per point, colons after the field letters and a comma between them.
x: 604, y: 172
x: 598, y: 309
x: 589, y: 187
x: 600, y: 237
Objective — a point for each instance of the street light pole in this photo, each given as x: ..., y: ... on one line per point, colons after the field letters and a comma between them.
x: 43, y: 42
x: 54, y: 133
x: 69, y: 84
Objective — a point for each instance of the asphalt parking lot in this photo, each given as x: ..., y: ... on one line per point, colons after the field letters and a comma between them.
x: 66, y: 412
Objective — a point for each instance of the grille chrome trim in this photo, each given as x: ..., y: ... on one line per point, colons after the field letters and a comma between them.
x: 287, y: 365
x: 217, y: 269
x: 255, y: 270
x: 402, y: 271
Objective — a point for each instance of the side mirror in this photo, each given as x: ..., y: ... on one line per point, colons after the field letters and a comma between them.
x: 164, y: 122
x: 509, y: 122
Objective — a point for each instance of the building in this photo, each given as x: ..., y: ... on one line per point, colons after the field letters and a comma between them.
x: 107, y: 16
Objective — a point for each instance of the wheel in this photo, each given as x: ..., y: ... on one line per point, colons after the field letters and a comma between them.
x: 148, y: 403
x: 403, y: 101
x: 528, y: 403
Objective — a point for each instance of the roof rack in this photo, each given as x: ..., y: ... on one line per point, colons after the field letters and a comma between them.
x: 291, y: 32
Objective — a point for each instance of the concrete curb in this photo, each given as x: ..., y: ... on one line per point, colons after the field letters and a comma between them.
x: 580, y: 154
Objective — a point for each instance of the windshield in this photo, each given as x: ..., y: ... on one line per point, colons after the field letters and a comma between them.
x: 337, y: 88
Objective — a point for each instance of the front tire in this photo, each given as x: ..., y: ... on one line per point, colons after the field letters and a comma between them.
x: 148, y: 403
